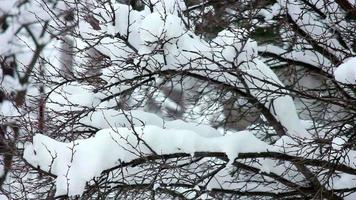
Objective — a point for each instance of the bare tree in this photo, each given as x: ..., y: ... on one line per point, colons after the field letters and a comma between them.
x: 244, y: 93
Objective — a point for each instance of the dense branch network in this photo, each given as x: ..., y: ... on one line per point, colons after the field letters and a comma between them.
x: 177, y: 99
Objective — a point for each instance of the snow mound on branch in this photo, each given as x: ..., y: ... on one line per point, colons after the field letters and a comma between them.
x: 262, y: 82
x: 78, y: 162
x: 231, y: 42
x: 338, y: 142
x: 156, y: 28
x: 152, y: 27
x: 8, y: 109
x: 346, y: 72
x: 112, y: 118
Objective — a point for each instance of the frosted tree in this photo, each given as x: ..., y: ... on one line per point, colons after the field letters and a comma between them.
x: 143, y: 99
x: 26, y: 31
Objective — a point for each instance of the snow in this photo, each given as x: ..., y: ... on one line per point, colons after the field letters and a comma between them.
x: 124, y: 15
x: 8, y: 109
x: 112, y: 118
x: 266, y: 87
x: 232, y: 42
x: 268, y: 165
x: 258, y: 75
x: 73, y: 96
x: 78, y: 162
x: 7, y: 37
x: 271, y: 12
x: 152, y: 27
x: 308, y: 57
x: 157, y: 28
x: 128, y: 135
x: 338, y: 142
x: 346, y: 72
x: 315, y: 26
x: 7, y: 7
x: 263, y: 83
x: 3, y: 197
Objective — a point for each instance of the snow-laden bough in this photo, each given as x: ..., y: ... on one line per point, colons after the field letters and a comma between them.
x: 77, y: 162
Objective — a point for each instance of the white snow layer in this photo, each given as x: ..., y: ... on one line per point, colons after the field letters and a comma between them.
x: 346, y: 72
x: 78, y: 162
x: 338, y: 143
x: 112, y: 118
